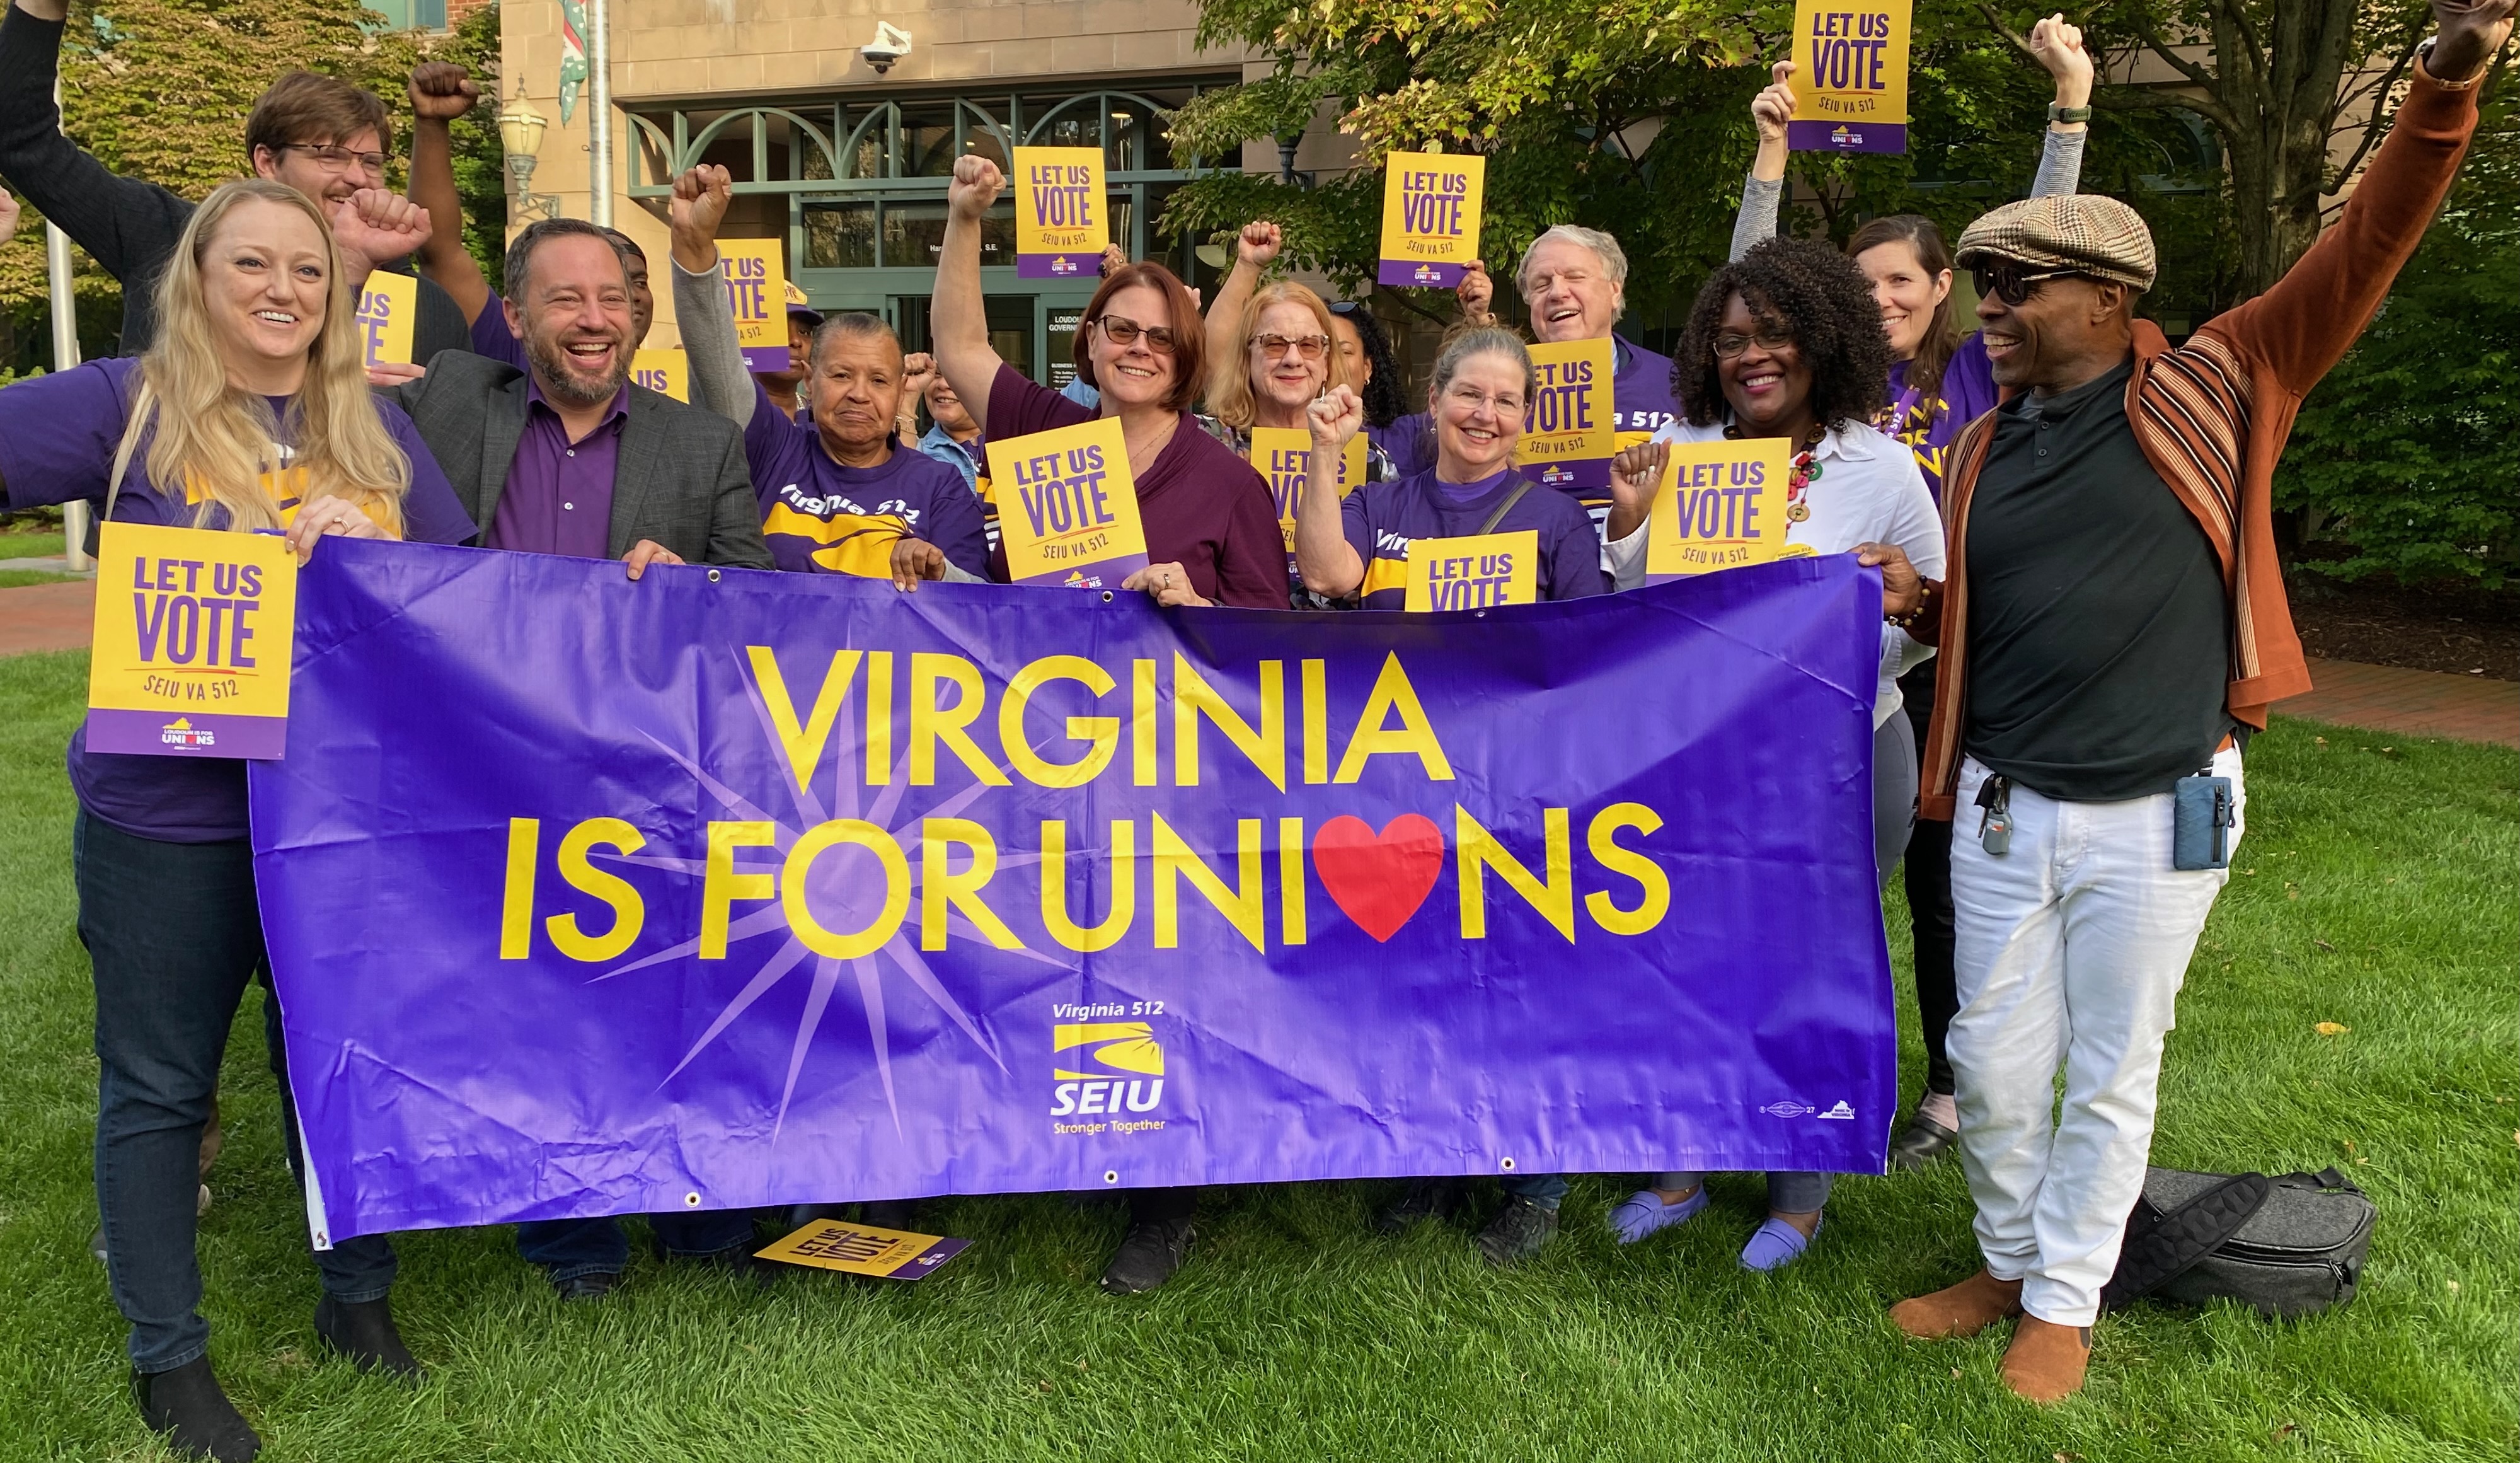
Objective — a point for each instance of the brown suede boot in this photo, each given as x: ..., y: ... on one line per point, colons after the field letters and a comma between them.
x: 1962, y: 1310
x: 2045, y: 1362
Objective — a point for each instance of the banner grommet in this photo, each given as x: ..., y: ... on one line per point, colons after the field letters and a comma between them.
x: 713, y: 576
x: 1110, y: 1175
x: 691, y: 1200
x: 1505, y: 1163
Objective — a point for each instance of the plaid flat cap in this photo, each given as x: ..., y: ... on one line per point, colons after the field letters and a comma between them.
x: 2078, y: 231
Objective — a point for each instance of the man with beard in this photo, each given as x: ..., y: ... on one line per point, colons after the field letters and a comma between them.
x: 324, y: 137
x: 567, y: 457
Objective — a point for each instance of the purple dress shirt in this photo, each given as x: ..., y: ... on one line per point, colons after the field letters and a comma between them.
x: 558, y: 497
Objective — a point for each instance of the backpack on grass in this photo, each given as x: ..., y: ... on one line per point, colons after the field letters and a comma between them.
x: 2290, y: 1246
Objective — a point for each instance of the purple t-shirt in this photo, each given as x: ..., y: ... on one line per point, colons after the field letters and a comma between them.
x: 821, y: 517
x: 1927, y: 427
x: 1641, y: 400
x: 1202, y: 507
x: 57, y: 435
x: 492, y: 338
x: 559, y: 495
x: 1383, y: 520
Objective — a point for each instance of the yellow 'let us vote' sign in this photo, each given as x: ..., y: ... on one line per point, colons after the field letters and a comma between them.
x: 1062, y: 214
x: 1849, y: 76
x: 1283, y: 455
x: 865, y: 1250
x: 1720, y: 505
x: 1430, y: 216
x: 1574, y: 423
x: 1477, y: 572
x: 192, y: 643
x: 756, y: 289
x: 1067, y: 506
x: 388, y: 305
x: 667, y: 371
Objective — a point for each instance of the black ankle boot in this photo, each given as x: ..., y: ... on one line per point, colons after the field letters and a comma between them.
x: 187, y: 1407
x: 364, y: 1332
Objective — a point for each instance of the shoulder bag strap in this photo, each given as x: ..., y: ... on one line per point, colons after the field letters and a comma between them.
x: 1498, y: 516
x: 2161, y: 1247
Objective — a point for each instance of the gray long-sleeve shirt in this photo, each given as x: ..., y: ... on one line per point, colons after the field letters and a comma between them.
x: 2061, y: 170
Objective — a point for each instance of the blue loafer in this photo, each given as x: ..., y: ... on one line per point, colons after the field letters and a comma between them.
x: 1643, y: 1213
x: 1776, y: 1245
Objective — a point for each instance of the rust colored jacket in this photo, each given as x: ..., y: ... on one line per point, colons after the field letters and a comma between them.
x: 2212, y: 417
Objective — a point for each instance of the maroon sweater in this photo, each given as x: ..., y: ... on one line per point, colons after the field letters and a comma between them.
x: 1204, y: 508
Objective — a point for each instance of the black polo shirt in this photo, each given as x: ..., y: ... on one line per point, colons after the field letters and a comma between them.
x: 2100, y: 634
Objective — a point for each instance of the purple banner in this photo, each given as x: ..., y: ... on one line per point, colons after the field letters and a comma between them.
x: 1418, y: 272
x: 725, y: 888
x: 1846, y: 137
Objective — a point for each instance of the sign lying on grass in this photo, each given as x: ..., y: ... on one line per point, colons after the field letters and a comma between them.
x: 725, y: 888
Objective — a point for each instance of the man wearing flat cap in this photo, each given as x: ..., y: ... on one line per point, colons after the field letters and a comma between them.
x: 2112, y: 630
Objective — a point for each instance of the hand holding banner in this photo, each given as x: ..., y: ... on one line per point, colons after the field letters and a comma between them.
x: 1478, y: 571
x: 1574, y: 422
x: 388, y: 305
x: 1849, y: 76
x: 1061, y: 212
x: 196, y: 661
x: 1720, y: 505
x: 756, y: 287
x: 1067, y: 506
x: 1430, y: 216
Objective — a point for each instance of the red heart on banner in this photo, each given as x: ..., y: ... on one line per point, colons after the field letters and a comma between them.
x: 1379, y: 879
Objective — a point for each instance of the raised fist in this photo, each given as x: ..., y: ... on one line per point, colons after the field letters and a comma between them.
x: 375, y: 227
x: 441, y: 91
x: 977, y: 181
x: 1259, y: 244
x: 2059, y: 48
x: 1774, y: 106
x: 699, y: 202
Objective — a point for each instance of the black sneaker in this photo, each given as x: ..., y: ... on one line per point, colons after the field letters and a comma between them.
x: 187, y: 1407
x: 1425, y: 1199
x: 593, y: 1287
x: 890, y: 1214
x: 364, y: 1332
x: 1154, y: 1250
x: 1920, y: 1142
x: 1517, y: 1231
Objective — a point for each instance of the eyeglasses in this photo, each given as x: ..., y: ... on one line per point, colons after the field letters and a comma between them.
x: 1768, y: 338
x: 1310, y: 347
x: 1122, y: 331
x: 334, y: 158
x: 2010, y: 284
x: 1472, y: 399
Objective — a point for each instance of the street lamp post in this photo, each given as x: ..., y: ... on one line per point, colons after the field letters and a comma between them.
x: 521, y: 134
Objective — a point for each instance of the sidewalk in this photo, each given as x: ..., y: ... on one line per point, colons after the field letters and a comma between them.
x: 47, y: 617
x: 2410, y: 703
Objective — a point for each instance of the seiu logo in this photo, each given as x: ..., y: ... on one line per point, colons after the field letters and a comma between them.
x: 1105, y: 1067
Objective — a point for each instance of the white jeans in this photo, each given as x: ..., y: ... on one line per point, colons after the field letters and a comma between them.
x: 2071, y: 950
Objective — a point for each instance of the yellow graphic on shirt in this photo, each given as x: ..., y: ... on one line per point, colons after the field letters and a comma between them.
x: 853, y: 543
x: 286, y: 490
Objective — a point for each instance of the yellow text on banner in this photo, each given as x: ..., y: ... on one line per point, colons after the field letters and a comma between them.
x: 1430, y: 216
x: 756, y: 288
x: 1574, y: 424
x: 1720, y: 505
x: 1062, y: 212
x: 190, y: 648
x: 668, y: 372
x: 1283, y: 455
x: 1849, y: 76
x: 1067, y: 506
x: 387, y: 304
x: 1476, y: 571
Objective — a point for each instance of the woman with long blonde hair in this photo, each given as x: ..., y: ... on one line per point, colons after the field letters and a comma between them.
x: 251, y: 412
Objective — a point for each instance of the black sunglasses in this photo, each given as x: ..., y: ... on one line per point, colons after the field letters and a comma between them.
x: 2014, y: 284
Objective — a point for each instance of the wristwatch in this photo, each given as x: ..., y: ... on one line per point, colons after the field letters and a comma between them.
x: 2067, y: 114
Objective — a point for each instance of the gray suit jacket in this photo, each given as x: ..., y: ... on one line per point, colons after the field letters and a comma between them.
x: 682, y: 479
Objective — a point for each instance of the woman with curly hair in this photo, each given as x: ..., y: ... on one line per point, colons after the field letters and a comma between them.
x: 1786, y: 342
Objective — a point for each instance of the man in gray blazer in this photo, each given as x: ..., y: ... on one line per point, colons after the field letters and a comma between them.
x: 567, y: 457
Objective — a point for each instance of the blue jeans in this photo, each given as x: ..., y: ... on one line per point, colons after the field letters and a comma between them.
x: 174, y: 935
x: 567, y: 1249
x: 1547, y: 1190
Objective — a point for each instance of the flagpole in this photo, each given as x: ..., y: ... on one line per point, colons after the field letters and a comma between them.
x: 599, y: 124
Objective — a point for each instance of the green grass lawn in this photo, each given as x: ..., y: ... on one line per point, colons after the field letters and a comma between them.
x: 2376, y: 889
